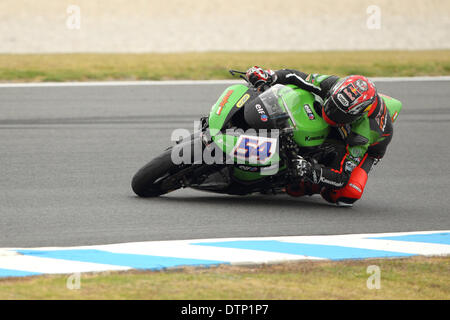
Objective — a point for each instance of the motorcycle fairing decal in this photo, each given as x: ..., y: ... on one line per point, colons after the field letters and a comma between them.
x: 393, y: 105
x: 243, y: 100
x: 224, y: 101
x: 309, y: 112
x: 253, y: 149
x: 394, y: 117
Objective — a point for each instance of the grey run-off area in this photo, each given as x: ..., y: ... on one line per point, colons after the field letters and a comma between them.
x: 68, y: 155
x: 49, y: 26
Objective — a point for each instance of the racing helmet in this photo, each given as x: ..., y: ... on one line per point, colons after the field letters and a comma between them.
x: 349, y: 100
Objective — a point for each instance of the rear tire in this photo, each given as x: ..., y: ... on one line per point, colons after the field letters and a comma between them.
x: 146, y: 182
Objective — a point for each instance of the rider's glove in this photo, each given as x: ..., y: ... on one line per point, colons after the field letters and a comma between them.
x: 310, y: 171
x: 258, y: 76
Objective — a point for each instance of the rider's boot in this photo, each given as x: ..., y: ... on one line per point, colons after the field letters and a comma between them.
x: 352, y: 191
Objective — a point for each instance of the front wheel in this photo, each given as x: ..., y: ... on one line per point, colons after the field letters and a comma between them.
x: 147, y: 182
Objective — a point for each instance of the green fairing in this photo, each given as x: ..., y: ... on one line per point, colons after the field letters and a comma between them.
x: 308, y: 132
x: 393, y: 105
x: 246, y: 175
x: 310, y: 129
x: 216, y: 121
x: 219, y: 112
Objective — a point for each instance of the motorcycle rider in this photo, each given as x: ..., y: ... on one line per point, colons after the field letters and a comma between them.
x: 361, y: 121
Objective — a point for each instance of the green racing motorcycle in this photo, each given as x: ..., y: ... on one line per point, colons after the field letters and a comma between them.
x: 250, y: 143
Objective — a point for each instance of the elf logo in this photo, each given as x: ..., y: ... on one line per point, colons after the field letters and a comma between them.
x: 259, y: 109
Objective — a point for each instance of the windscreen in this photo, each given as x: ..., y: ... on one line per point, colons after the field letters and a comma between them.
x: 277, y: 100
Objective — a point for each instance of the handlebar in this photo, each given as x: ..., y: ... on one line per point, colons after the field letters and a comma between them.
x: 241, y: 75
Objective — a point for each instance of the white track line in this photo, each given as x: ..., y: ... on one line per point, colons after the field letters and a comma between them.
x: 185, y: 82
x: 119, y: 83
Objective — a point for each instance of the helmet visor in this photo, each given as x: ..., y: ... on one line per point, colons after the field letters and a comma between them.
x: 336, y: 115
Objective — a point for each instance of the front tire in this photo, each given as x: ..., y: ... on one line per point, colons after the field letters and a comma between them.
x: 147, y: 181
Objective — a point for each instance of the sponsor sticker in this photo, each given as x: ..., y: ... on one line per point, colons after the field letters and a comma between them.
x: 309, y: 112
x: 342, y: 100
x: 381, y: 118
x: 331, y: 182
x: 308, y: 138
x: 259, y: 109
x: 243, y: 100
x: 351, y: 92
x: 355, y: 187
x: 224, y: 101
x: 264, y: 118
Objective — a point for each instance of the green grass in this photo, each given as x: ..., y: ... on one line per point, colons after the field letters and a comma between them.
x: 408, y: 278
x: 215, y: 65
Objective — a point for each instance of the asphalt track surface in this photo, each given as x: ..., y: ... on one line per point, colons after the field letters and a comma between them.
x: 68, y: 155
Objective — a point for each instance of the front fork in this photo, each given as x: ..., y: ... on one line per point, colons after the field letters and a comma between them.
x: 289, y: 152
